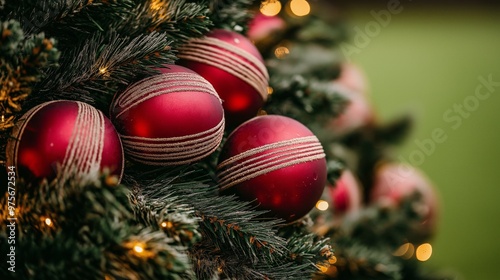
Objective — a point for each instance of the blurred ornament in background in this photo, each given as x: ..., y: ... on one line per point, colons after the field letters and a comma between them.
x: 353, y: 78
x: 275, y: 162
x: 346, y: 194
x: 172, y: 118
x: 61, y: 139
x: 263, y: 26
x: 357, y: 114
x: 234, y: 66
x: 394, y: 182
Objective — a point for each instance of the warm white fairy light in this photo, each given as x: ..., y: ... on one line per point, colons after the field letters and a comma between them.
x: 300, y: 8
x: 270, y: 7
x: 424, y: 252
x: 103, y: 70
x: 322, y: 205
x: 138, y: 248
x: 281, y: 52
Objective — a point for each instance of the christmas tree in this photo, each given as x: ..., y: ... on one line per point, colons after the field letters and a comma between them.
x: 153, y: 140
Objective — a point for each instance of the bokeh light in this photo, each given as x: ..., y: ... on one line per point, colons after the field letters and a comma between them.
x: 424, y: 252
x: 300, y: 8
x: 270, y: 8
x: 322, y: 205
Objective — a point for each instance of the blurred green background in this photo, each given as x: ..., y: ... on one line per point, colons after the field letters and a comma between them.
x: 426, y: 60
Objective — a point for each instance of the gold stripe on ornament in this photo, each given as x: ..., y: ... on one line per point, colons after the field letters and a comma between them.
x: 161, y: 84
x: 249, y: 164
x: 230, y: 58
x: 174, y: 150
x: 84, y: 151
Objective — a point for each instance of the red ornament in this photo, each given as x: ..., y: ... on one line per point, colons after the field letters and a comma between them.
x: 357, y: 114
x: 353, y: 78
x: 276, y: 162
x: 346, y: 195
x: 61, y: 138
x: 395, y: 182
x: 234, y: 66
x: 263, y: 26
x: 172, y: 118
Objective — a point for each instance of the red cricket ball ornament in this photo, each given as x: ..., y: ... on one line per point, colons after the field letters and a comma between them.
x: 59, y: 139
x: 395, y: 182
x: 172, y: 118
x: 234, y: 66
x: 276, y: 162
x: 346, y: 194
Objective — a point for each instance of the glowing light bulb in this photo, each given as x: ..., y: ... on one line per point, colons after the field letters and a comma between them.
x: 138, y: 248
x: 103, y: 70
x: 424, y: 252
x: 300, y: 8
x: 48, y: 222
x: 281, y: 52
x: 270, y: 8
x: 322, y: 205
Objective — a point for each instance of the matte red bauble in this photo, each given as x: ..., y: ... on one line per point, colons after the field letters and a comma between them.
x: 395, y: 182
x: 234, y: 66
x: 357, y: 114
x: 64, y: 138
x: 172, y: 118
x: 346, y: 194
x: 276, y: 162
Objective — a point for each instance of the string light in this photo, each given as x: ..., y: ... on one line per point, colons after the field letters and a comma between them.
x: 103, y: 70
x: 48, y: 222
x: 281, y: 52
x: 156, y: 5
x: 270, y: 90
x: 322, y: 205
x: 270, y: 7
x: 300, y: 8
x: 167, y: 224
x: 405, y: 251
x: 424, y: 252
x: 323, y: 268
x: 332, y: 260
x: 138, y: 248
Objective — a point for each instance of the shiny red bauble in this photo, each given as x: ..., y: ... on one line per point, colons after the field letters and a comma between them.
x: 234, y: 66
x: 395, y: 182
x: 277, y: 163
x: 172, y: 118
x: 346, y: 194
x: 62, y: 138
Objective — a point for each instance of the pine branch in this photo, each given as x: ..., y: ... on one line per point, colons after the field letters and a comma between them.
x: 86, y: 224
x: 97, y: 71
x: 231, y: 224
x: 23, y: 62
x: 231, y: 14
